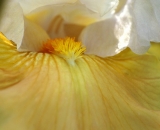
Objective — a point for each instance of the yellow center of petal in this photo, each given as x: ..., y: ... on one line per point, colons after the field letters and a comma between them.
x: 66, y: 48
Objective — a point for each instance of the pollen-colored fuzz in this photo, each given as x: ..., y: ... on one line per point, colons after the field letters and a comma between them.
x: 66, y: 48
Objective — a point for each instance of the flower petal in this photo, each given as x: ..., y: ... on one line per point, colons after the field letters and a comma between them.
x: 63, y: 20
x: 27, y: 35
x: 12, y: 22
x: 30, y: 5
x: 57, y: 21
x: 120, y: 92
x: 102, y: 7
x: 34, y: 37
x: 147, y: 19
x: 154, y: 50
x: 135, y: 26
x: 99, y: 38
x: 140, y: 19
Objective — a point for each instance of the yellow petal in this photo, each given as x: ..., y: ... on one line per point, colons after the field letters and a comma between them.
x: 44, y: 92
x: 154, y: 50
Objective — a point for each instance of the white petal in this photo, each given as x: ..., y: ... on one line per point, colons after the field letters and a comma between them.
x: 135, y: 26
x: 156, y: 4
x: 102, y: 7
x: 99, y: 38
x: 127, y: 31
x: 34, y: 37
x: 143, y: 22
x: 48, y: 17
x: 63, y: 20
x: 30, y: 5
x: 147, y: 19
x: 79, y: 14
x: 11, y: 22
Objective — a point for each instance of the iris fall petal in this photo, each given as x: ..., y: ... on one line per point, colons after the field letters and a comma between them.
x: 154, y: 50
x: 41, y: 91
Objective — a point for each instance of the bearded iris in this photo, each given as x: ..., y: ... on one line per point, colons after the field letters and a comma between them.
x: 42, y: 91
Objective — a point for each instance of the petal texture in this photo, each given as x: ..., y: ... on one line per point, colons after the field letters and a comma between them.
x: 102, y: 7
x: 30, y: 5
x: 154, y: 50
x: 45, y: 93
x: 34, y: 37
x: 135, y: 26
x: 138, y: 25
x: 63, y: 20
x: 99, y: 38
x: 27, y: 35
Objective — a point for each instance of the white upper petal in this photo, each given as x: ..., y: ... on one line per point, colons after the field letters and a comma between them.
x: 101, y: 6
x: 27, y: 35
x: 155, y: 5
x: 11, y: 22
x: 99, y: 38
x: 147, y: 19
x: 34, y: 37
x: 30, y: 5
x: 134, y: 26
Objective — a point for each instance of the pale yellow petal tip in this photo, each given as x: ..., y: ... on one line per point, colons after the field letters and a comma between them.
x: 67, y: 48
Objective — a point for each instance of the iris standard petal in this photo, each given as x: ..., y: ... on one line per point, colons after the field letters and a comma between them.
x: 34, y: 37
x: 102, y: 7
x: 40, y: 91
x: 137, y: 25
x: 99, y: 38
x: 134, y: 26
x: 63, y: 20
x: 30, y: 5
x: 147, y: 19
x: 12, y: 22
x: 27, y: 35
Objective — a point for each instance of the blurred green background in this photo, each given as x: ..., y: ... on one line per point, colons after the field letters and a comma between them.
x: 1, y: 5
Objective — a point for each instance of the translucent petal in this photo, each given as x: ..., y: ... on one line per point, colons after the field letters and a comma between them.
x: 147, y: 20
x: 40, y: 91
x: 63, y: 20
x: 99, y: 38
x: 56, y: 19
x: 134, y: 26
x: 142, y: 22
x: 34, y: 37
x: 102, y: 7
x: 27, y: 35
x: 155, y: 6
x: 30, y: 5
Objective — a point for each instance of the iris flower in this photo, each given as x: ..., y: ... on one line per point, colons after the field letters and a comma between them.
x: 80, y: 65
